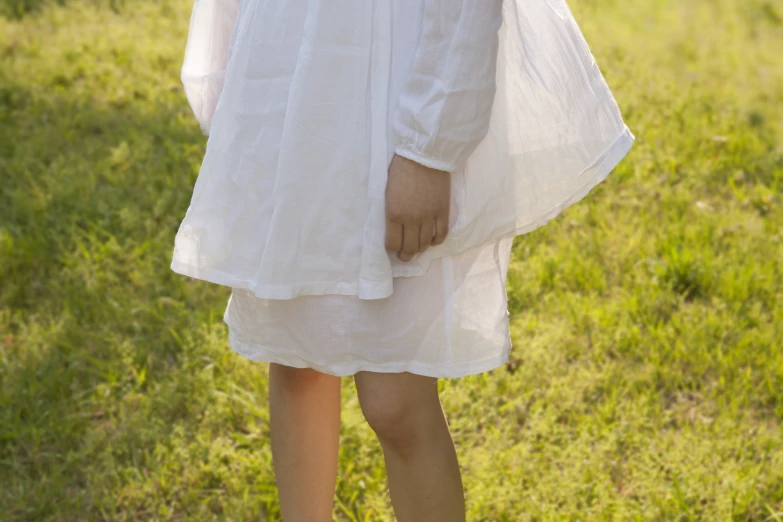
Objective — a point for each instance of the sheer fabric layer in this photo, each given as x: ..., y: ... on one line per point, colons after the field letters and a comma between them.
x: 306, y: 101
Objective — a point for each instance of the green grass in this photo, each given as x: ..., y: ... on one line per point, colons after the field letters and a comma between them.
x: 646, y: 380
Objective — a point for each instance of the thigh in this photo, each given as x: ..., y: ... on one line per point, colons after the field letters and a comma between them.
x: 301, y: 378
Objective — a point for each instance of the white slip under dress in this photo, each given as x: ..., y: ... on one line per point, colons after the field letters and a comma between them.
x: 305, y: 102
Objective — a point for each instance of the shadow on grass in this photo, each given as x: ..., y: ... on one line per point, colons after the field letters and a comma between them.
x: 18, y: 9
x: 90, y: 313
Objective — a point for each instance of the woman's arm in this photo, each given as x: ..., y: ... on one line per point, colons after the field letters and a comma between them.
x: 446, y: 103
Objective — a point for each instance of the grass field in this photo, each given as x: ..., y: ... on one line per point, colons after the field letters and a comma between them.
x: 646, y: 380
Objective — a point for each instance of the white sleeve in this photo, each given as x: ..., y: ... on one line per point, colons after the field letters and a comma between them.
x: 206, y: 56
x: 446, y: 103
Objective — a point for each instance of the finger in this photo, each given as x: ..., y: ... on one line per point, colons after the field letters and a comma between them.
x: 441, y: 230
x: 410, y: 241
x: 427, y: 232
x: 393, y: 236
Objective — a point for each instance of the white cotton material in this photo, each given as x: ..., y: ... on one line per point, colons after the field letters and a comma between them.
x: 206, y: 56
x: 450, y: 322
x: 305, y: 103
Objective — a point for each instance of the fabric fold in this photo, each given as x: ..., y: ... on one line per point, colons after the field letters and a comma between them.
x: 444, y: 109
x: 206, y: 54
x: 300, y: 112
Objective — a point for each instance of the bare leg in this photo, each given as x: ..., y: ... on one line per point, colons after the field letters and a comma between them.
x: 304, y: 414
x: 405, y: 412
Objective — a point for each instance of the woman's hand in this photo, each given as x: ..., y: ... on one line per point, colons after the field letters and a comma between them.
x: 417, y: 207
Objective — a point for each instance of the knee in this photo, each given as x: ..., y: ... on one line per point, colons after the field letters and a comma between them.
x: 394, y: 422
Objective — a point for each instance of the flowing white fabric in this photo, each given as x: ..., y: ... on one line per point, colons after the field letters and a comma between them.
x: 449, y: 322
x: 305, y: 103
x: 285, y: 205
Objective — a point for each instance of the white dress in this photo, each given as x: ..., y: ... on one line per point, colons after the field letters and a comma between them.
x: 305, y: 103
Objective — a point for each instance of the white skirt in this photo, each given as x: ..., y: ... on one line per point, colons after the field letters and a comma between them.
x: 450, y: 322
x: 305, y: 103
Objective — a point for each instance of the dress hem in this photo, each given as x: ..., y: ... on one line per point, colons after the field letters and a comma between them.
x: 263, y: 354
x: 599, y: 169
x: 281, y: 292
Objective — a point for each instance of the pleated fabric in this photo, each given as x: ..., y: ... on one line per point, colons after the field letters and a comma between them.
x: 305, y: 102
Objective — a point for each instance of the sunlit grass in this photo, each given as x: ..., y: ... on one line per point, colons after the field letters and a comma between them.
x: 646, y: 380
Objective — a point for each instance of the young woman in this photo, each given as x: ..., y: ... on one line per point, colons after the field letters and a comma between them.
x: 369, y: 163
